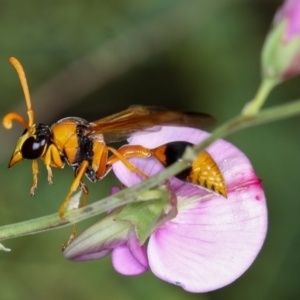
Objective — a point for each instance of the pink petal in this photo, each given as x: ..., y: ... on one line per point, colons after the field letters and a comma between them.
x: 291, y: 11
x: 129, y: 258
x: 137, y: 251
x: 125, y: 263
x: 213, y: 243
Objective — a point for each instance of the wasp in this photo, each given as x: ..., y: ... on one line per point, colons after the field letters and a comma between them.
x: 84, y: 145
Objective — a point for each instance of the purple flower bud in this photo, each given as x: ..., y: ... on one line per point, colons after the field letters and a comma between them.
x: 291, y: 12
x: 281, y: 51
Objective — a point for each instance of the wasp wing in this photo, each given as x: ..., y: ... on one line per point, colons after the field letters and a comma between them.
x: 123, y: 125
x: 130, y: 113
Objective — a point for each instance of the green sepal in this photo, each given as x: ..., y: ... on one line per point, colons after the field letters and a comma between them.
x: 278, y: 54
x: 154, y: 208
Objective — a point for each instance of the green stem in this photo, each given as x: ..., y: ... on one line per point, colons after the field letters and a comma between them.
x: 131, y: 194
x: 255, y: 105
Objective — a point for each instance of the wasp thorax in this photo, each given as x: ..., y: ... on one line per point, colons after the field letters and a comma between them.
x: 36, y: 142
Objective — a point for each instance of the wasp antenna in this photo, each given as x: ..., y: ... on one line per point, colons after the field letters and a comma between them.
x: 7, y: 120
x: 25, y: 88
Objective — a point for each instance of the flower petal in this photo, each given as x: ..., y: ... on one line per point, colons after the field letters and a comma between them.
x: 213, y: 243
x: 291, y: 11
x: 130, y: 258
x: 124, y: 263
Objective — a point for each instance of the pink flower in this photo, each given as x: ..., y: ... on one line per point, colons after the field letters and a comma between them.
x: 210, y: 242
x: 281, y: 52
x: 290, y: 11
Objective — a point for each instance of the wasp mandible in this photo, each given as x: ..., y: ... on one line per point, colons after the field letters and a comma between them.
x: 83, y: 145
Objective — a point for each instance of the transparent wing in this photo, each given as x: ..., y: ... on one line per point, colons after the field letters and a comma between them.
x: 122, y: 125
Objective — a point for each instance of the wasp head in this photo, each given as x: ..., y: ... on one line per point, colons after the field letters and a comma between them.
x: 32, y: 144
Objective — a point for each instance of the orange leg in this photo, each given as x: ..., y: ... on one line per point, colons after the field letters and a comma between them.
x: 71, y: 237
x: 35, y: 170
x: 52, y: 158
x: 84, y: 188
x: 74, y: 186
x: 126, y: 152
x: 50, y: 175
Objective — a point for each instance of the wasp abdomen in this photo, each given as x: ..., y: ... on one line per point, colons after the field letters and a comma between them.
x: 203, y: 171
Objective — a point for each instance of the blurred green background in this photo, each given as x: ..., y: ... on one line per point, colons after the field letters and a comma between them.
x: 93, y: 58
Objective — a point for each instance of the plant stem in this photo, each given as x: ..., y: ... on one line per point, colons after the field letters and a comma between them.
x: 255, y: 105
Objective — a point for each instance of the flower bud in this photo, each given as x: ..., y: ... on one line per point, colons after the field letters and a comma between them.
x: 281, y: 51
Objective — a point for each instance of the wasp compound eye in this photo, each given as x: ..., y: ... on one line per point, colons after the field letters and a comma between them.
x: 33, y: 148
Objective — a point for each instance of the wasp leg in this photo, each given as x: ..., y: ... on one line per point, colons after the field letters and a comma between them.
x: 35, y: 170
x: 71, y: 238
x: 77, y: 181
x: 52, y: 158
x: 50, y: 175
x: 85, y: 190
x: 126, y: 152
